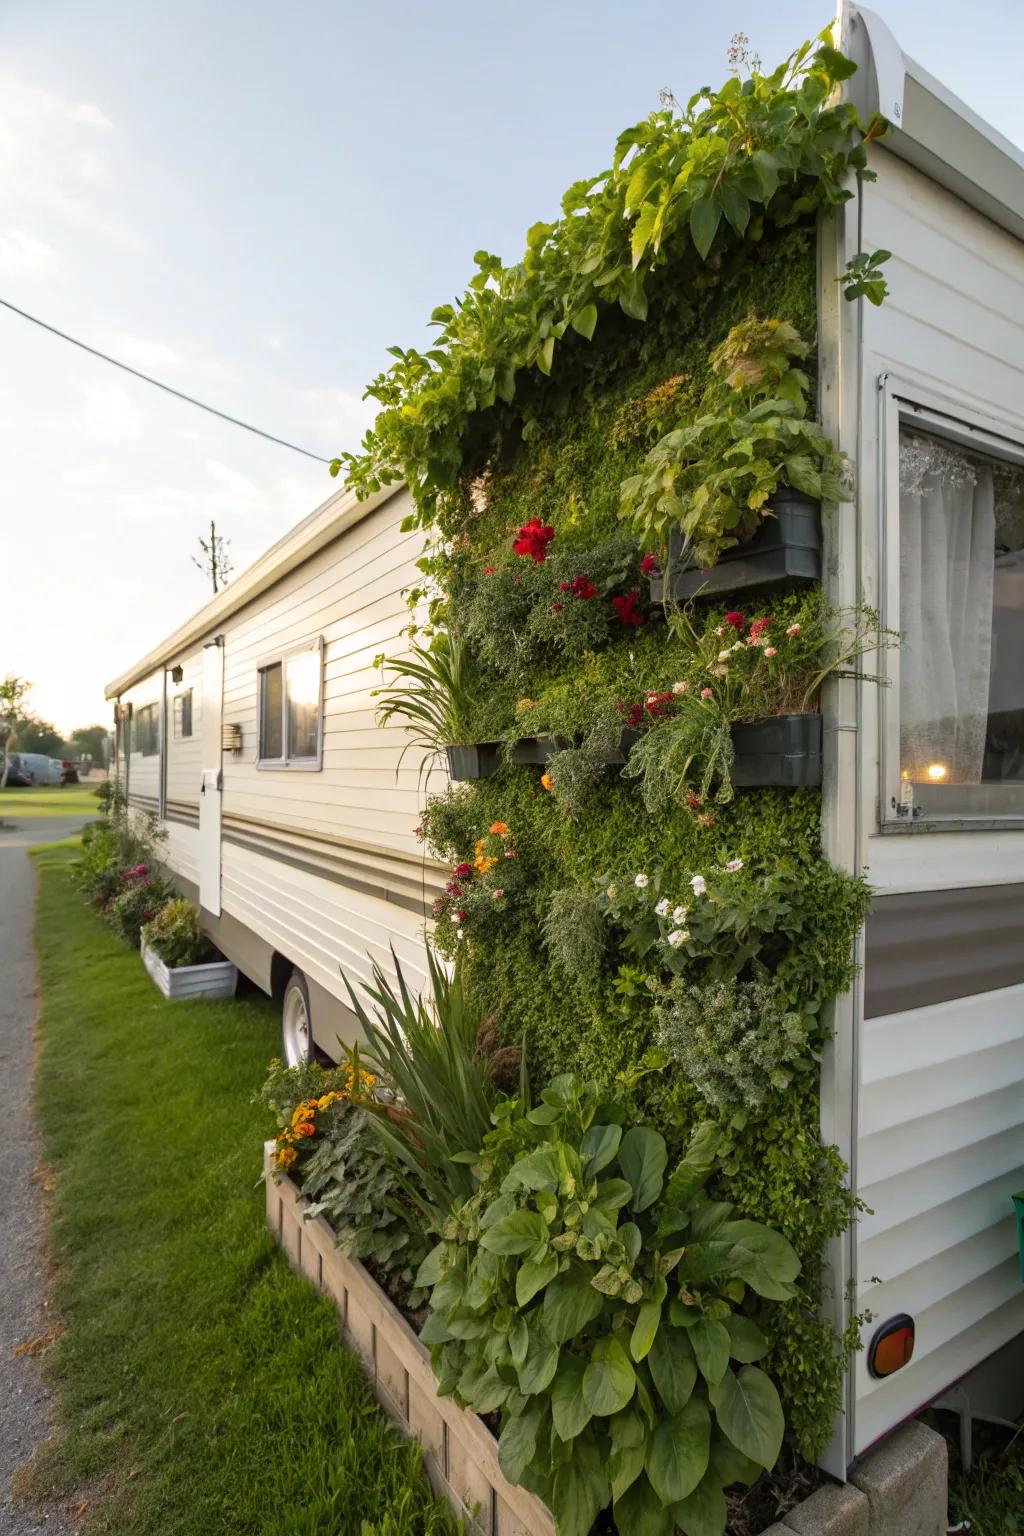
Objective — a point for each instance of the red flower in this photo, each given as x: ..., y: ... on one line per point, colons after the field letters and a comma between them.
x: 692, y: 800
x: 462, y: 871
x: 563, y: 586
x: 583, y: 588
x: 736, y: 620
x: 557, y: 607
x: 759, y: 626
x: 534, y: 538
x: 626, y: 608
x: 635, y: 716
x: 649, y: 565
x: 489, y: 570
x: 438, y: 908
x: 453, y: 888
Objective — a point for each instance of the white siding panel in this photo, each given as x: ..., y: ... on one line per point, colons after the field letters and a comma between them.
x: 319, y: 925
x: 940, y: 1143
x: 184, y: 755
x: 180, y: 851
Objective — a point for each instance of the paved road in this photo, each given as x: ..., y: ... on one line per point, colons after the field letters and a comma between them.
x: 24, y: 1402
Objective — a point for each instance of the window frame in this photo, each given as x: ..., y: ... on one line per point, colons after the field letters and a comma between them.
x: 177, y: 716
x: 905, y: 403
x: 312, y: 764
x: 152, y: 708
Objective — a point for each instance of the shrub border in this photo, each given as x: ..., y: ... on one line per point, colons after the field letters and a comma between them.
x: 460, y: 1455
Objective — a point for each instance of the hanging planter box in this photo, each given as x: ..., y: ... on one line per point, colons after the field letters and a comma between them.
x: 784, y: 750
x: 785, y: 551
x: 477, y: 760
x: 460, y: 1455
x: 217, y: 978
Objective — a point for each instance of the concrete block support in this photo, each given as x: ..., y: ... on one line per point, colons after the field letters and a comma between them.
x: 833, y: 1511
x: 904, y: 1482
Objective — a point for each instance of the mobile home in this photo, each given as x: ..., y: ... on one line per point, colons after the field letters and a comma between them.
x: 250, y: 733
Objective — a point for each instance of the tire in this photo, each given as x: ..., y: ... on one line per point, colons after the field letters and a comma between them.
x: 296, y: 1022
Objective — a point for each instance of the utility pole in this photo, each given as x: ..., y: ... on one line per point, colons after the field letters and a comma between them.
x: 215, y: 561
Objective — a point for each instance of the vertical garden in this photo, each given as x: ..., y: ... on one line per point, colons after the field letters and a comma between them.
x: 619, y: 643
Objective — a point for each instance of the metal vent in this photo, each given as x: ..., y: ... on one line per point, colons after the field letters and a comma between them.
x: 231, y: 737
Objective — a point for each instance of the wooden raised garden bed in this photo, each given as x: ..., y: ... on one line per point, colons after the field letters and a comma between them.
x: 784, y: 552
x: 217, y: 978
x: 460, y: 1455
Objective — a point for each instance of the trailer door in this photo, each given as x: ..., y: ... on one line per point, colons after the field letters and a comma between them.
x: 211, y: 788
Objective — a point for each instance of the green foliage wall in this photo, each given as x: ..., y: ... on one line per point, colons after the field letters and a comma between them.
x: 635, y: 381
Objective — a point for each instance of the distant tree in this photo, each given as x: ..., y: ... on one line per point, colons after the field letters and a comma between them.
x: 90, y: 741
x: 12, y: 696
x: 35, y: 735
x: 215, y: 560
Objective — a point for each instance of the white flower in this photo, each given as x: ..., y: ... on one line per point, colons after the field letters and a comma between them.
x: 460, y: 933
x: 739, y: 646
x: 698, y: 885
x: 456, y: 917
x: 642, y: 880
x: 724, y: 655
x: 662, y: 906
x: 679, y: 914
x: 678, y: 936
x: 794, y: 629
x: 733, y: 865
x: 680, y: 687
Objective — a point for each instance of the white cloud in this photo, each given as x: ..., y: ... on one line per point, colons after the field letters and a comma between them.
x: 23, y: 255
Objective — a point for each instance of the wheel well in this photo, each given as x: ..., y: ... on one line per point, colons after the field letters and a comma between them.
x: 280, y: 970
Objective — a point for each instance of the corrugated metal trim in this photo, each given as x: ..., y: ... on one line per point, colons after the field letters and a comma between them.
x: 925, y: 947
x: 183, y: 812
x: 399, y: 885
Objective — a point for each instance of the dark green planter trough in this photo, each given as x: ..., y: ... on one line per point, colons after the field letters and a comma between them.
x: 784, y: 552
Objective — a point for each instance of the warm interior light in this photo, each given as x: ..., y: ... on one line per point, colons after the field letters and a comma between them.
x: 304, y: 678
x: 892, y: 1346
x: 937, y: 771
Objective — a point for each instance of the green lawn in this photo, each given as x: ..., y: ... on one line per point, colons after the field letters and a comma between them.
x: 200, y: 1387
x: 991, y: 1495
x: 69, y: 800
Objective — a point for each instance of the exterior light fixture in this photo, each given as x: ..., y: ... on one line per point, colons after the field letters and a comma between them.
x: 937, y: 772
x: 892, y: 1346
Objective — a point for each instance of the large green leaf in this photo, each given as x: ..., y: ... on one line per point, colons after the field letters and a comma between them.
x: 645, y: 1329
x: 642, y: 1158
x: 639, y: 1512
x: 678, y: 1452
x: 585, y: 319
x: 629, y: 1449
x: 570, y: 1304
x: 704, y: 218
x: 517, y: 1444
x: 580, y: 1490
x: 730, y: 1465
x: 704, y: 1513
x: 692, y: 1173
x: 540, y: 1169
x: 746, y: 1341
x: 518, y: 1233
x: 599, y: 1145
x: 568, y: 1408
x: 609, y: 1381
x: 538, y: 1369
x: 533, y: 1275
x: 673, y: 1366
x: 710, y: 1342
x: 748, y: 1411
x: 761, y: 1257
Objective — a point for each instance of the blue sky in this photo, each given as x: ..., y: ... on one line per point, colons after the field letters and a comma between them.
x: 253, y: 201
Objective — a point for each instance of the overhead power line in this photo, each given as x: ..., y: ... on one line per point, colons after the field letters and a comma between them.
x: 157, y: 384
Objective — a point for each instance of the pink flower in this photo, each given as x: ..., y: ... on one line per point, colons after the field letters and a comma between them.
x: 794, y: 629
x: 759, y: 626
x: 462, y: 871
x: 649, y: 565
x: 497, y: 895
x: 770, y: 650
x: 707, y: 693
x: 733, y: 865
x: 510, y: 853
x: 680, y: 687
x: 417, y: 832
x: 458, y: 917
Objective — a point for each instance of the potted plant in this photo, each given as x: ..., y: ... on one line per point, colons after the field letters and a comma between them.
x: 181, y: 959
x: 735, y: 495
x: 433, y: 695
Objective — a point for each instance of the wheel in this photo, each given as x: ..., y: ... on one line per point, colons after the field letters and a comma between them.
x: 296, y: 1022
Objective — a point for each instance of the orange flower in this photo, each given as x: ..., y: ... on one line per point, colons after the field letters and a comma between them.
x: 307, y: 1128
x: 546, y: 781
x: 499, y: 828
x: 483, y: 865
x: 286, y: 1156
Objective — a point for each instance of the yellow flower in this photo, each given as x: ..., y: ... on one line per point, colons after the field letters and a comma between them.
x: 483, y: 865
x: 499, y: 828
x: 327, y: 1100
x: 525, y: 704
x: 286, y: 1156
x: 546, y: 781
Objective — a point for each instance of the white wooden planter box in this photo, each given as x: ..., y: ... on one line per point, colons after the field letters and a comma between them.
x: 460, y: 1455
x: 218, y: 978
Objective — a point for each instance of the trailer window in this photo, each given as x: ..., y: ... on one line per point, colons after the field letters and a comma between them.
x: 183, y: 715
x: 290, y: 710
x: 146, y: 730
x: 961, y: 605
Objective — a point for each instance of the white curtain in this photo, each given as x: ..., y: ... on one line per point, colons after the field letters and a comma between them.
x: 947, y: 563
